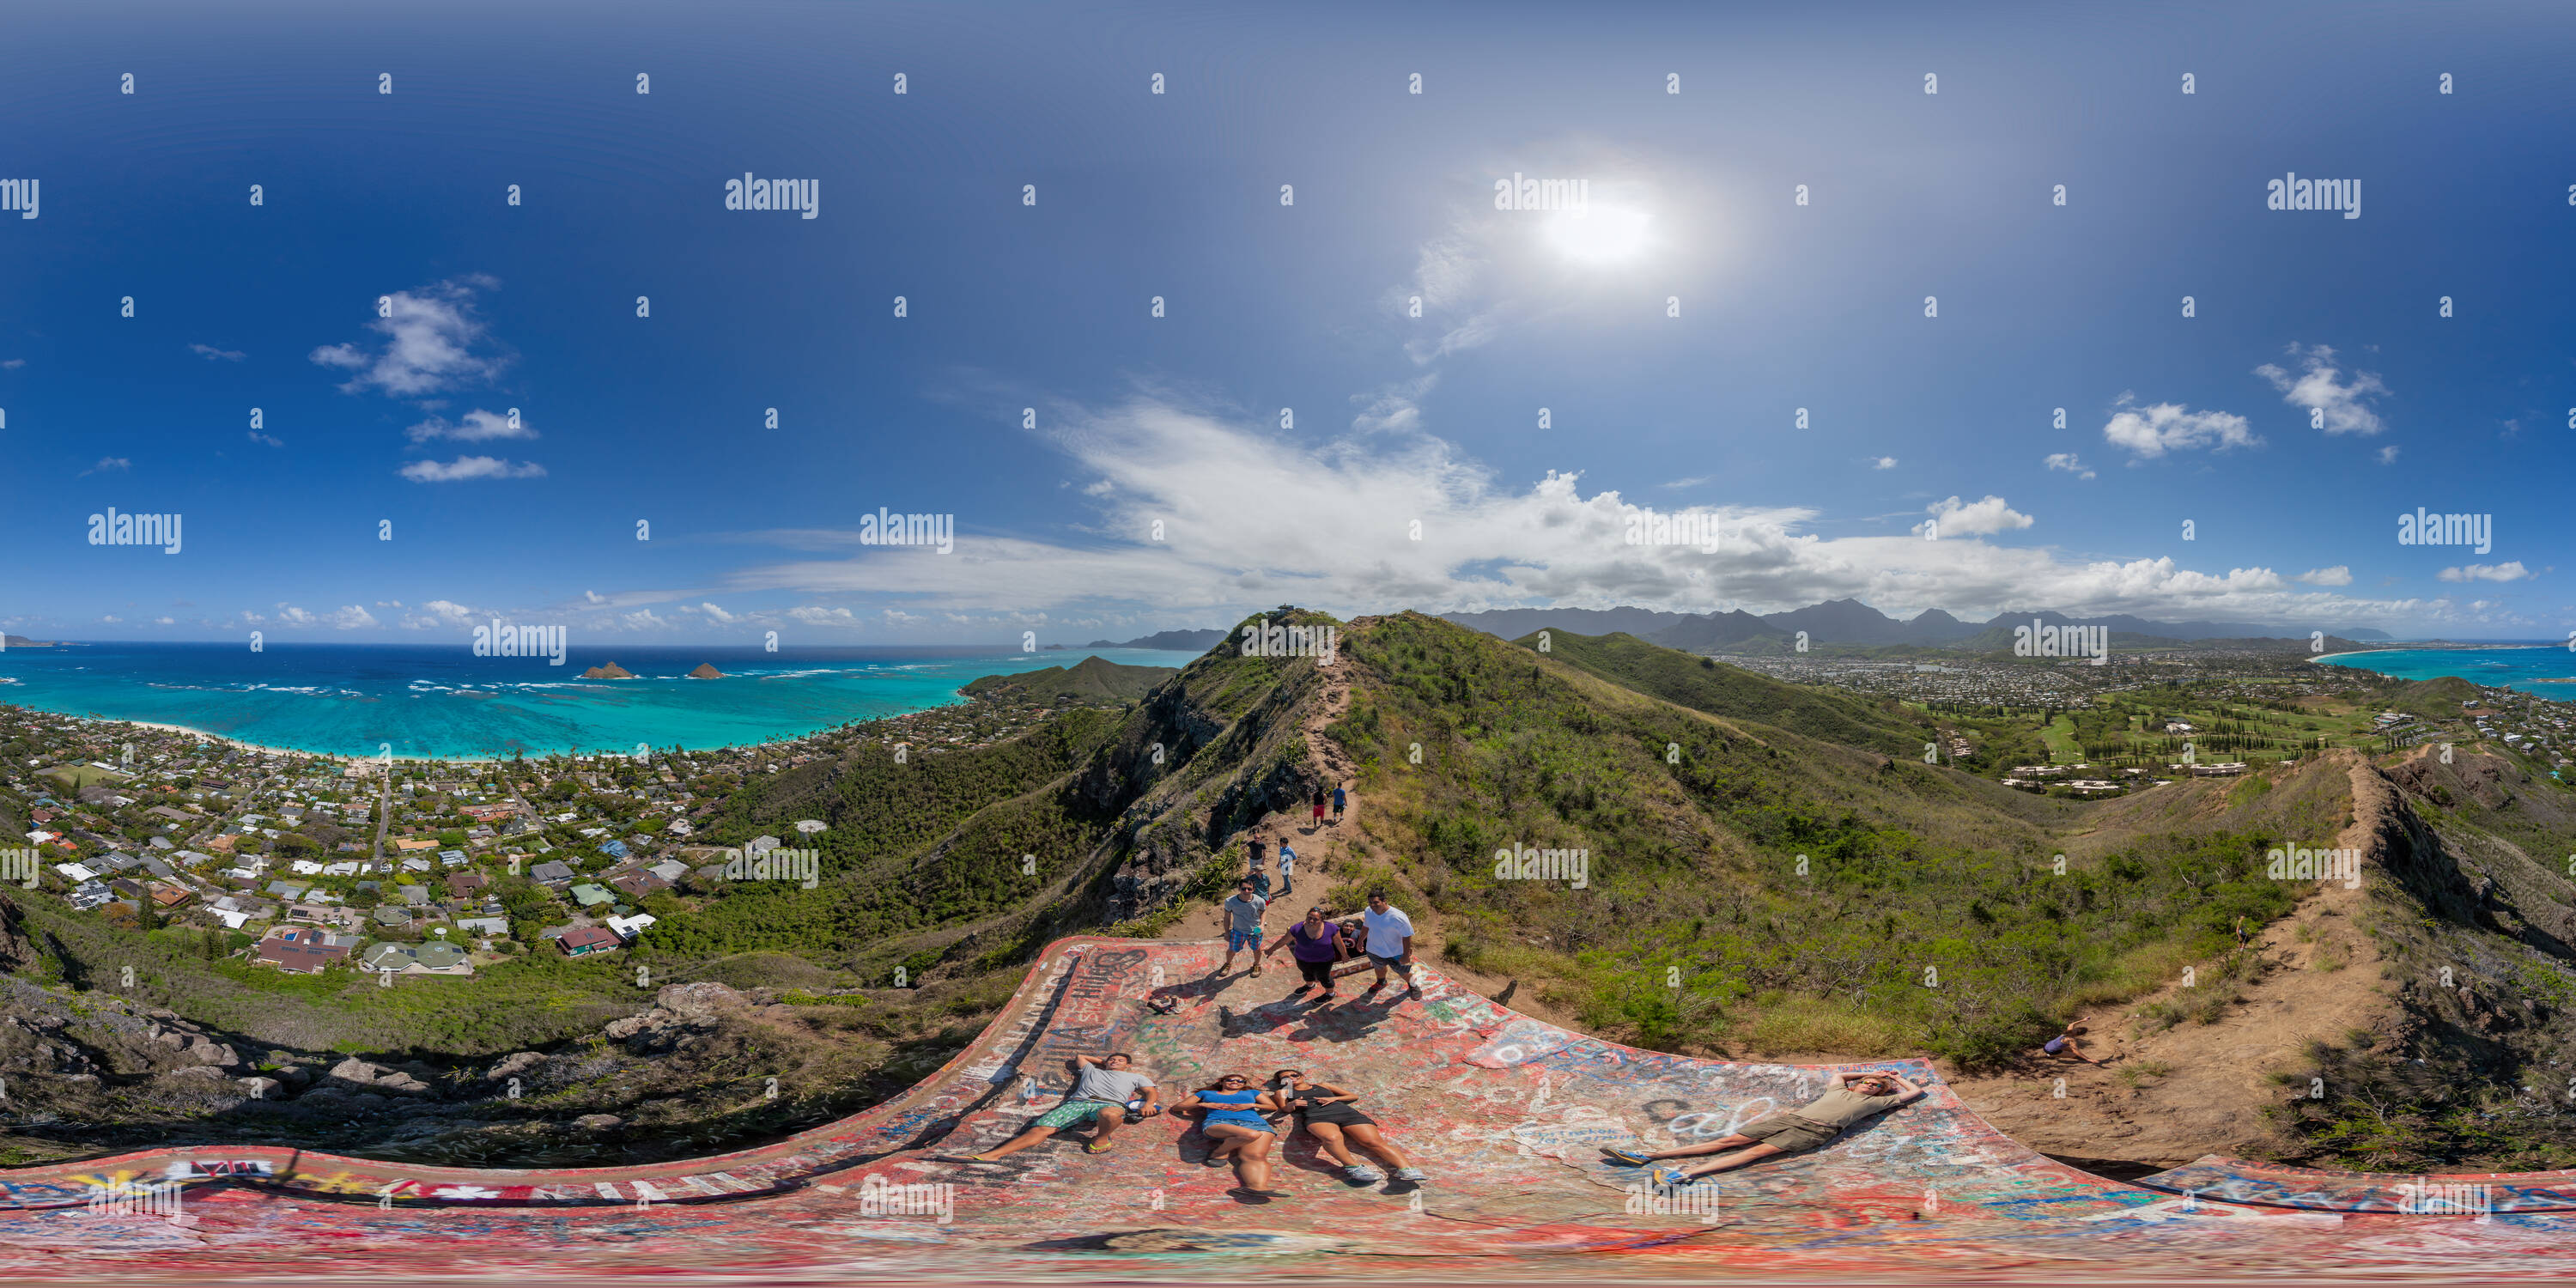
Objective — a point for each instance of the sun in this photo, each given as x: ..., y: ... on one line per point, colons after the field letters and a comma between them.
x: 1600, y: 235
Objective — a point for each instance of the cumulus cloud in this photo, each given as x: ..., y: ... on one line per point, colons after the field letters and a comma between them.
x: 470, y: 467
x: 348, y: 618
x: 813, y: 616
x: 2513, y: 571
x: 210, y: 353
x: 2066, y: 461
x: 2336, y: 403
x: 2149, y: 432
x: 429, y: 343
x: 1974, y: 519
x: 1334, y: 530
x: 716, y: 613
x: 474, y: 427
x: 2339, y: 575
x: 1883, y: 463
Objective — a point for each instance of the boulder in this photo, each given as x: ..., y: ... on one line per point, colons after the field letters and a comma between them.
x: 356, y: 1072
x: 293, y: 1075
x: 403, y: 1083
x: 205, y: 1051
x: 599, y: 1122
x: 517, y: 1062
x: 262, y: 1088
x: 620, y: 1030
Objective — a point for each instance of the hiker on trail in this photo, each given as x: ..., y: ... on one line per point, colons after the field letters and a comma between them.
x: 2063, y: 1045
x: 1390, y: 943
x: 1317, y: 944
x: 1853, y: 1098
x: 2240, y: 930
x: 1287, y: 865
x: 1331, y: 1116
x: 1236, y: 1131
x: 1260, y: 880
x: 1243, y: 926
x: 1106, y: 1093
x: 1339, y: 798
x: 1319, y: 805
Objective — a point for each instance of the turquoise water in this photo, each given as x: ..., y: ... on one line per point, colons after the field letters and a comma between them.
x: 356, y: 699
x: 2510, y: 668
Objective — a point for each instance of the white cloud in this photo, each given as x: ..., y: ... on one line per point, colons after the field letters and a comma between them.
x: 812, y: 616
x: 2066, y: 461
x: 718, y: 614
x: 1974, y: 519
x: 111, y: 619
x: 642, y: 619
x: 476, y: 426
x: 13, y: 364
x: 2339, y: 575
x: 2513, y: 571
x: 264, y: 440
x: 2149, y: 432
x: 429, y: 343
x: 1396, y: 408
x: 2320, y: 386
x: 2388, y: 454
x: 1883, y: 463
x: 165, y: 621
x: 210, y: 353
x: 1693, y: 481
x: 349, y: 618
x: 471, y: 467
x: 108, y: 465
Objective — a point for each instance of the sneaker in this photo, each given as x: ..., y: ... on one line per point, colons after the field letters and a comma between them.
x: 1410, y: 1174
x: 1363, y: 1174
x: 1626, y: 1157
x: 1670, y: 1178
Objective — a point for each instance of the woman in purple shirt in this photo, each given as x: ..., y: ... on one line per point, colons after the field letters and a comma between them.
x: 1316, y: 943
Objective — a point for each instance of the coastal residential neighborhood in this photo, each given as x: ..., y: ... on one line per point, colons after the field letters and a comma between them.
x: 399, y: 870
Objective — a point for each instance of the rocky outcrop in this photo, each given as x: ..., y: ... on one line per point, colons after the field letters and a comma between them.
x: 706, y: 671
x: 612, y: 671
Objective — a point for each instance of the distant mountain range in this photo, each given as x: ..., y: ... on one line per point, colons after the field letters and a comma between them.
x: 1849, y: 621
x: 1177, y: 641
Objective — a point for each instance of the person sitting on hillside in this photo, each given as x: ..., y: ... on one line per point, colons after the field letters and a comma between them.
x: 1106, y: 1093
x: 1852, y: 1098
x: 2063, y: 1045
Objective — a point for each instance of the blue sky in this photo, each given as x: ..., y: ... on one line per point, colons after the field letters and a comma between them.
x: 2210, y: 419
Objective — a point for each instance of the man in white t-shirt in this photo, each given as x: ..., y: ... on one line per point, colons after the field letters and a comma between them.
x: 1390, y: 942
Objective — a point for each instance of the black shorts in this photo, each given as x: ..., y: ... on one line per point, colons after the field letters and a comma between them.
x: 1338, y: 1113
x: 1320, y: 973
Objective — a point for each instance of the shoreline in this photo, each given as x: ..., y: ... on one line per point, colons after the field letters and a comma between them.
x: 351, y: 759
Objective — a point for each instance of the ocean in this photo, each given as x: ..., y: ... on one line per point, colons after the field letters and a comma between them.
x: 2526, y: 669
x: 440, y: 700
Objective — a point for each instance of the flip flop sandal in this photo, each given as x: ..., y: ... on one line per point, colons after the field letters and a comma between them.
x: 1099, y: 1146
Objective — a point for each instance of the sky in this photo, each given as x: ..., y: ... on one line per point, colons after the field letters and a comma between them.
x: 1367, y: 389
